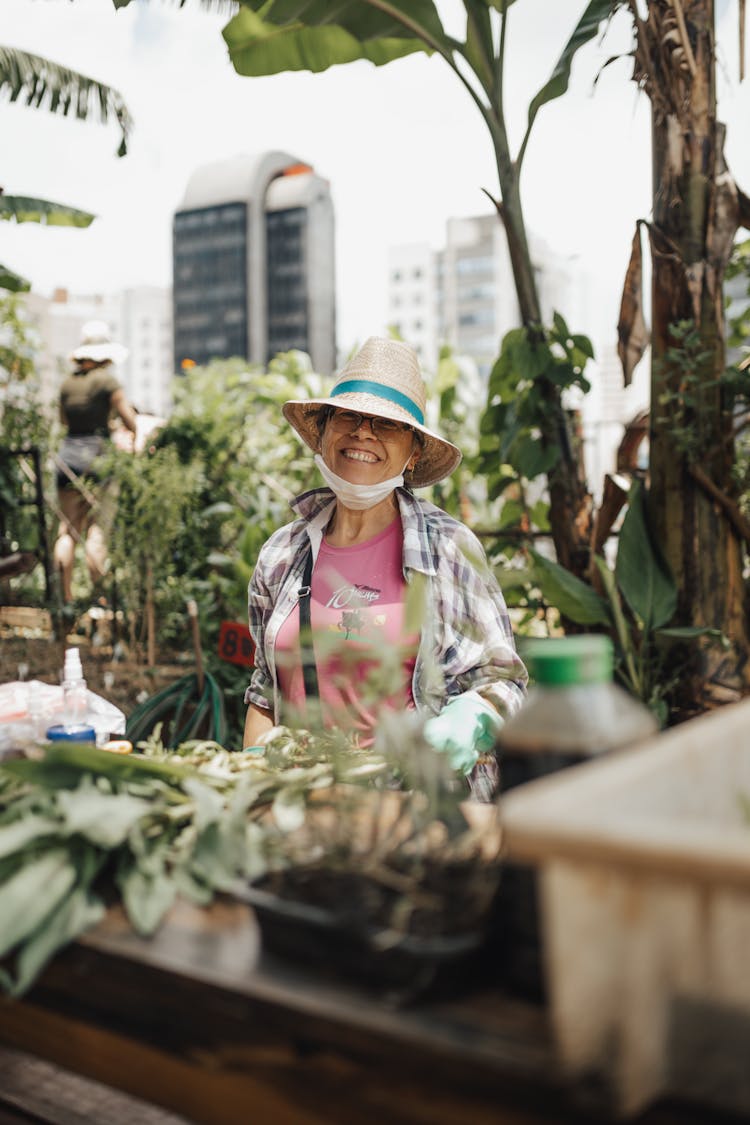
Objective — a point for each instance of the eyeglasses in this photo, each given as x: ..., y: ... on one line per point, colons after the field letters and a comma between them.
x: 385, y: 429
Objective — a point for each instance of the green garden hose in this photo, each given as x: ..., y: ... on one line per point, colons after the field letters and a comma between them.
x: 205, y: 718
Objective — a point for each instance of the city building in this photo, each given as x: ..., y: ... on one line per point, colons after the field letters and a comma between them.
x: 145, y: 328
x: 413, y: 297
x: 140, y: 318
x: 464, y: 294
x: 253, y: 263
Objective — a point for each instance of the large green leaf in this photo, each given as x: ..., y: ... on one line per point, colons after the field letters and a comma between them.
x: 642, y: 574
x: 46, y: 85
x: 105, y: 819
x: 147, y: 898
x: 557, y: 83
x: 23, y: 209
x: 479, y: 49
x: 73, y: 915
x: 13, y: 282
x: 364, y: 19
x: 531, y: 458
x: 258, y: 47
x: 33, y: 892
x: 574, y: 598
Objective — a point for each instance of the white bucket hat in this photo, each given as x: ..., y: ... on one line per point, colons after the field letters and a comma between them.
x: 97, y: 344
x: 383, y: 378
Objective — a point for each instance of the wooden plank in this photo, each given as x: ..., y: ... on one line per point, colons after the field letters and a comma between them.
x: 200, y: 1021
x: 25, y: 617
x: 31, y: 1088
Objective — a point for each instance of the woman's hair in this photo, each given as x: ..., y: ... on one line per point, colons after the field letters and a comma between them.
x: 322, y: 414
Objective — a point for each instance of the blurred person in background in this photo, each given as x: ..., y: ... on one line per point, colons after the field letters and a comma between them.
x: 89, y: 397
x: 340, y: 574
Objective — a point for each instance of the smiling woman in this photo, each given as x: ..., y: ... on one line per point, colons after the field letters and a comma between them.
x: 331, y: 600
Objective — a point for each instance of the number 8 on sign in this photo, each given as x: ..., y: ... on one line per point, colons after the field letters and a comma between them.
x: 235, y: 643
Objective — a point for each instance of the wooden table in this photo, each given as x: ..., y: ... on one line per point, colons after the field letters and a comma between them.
x: 200, y: 1021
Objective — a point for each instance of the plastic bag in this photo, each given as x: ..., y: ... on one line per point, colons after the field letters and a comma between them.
x: 29, y: 707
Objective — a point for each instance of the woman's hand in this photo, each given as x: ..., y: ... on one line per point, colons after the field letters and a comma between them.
x: 466, y: 727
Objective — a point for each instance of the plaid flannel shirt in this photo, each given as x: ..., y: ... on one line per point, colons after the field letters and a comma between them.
x: 466, y: 641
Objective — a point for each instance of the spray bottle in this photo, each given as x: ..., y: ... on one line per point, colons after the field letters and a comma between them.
x: 74, y: 690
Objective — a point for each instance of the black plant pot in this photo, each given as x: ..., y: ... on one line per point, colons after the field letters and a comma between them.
x: 402, y: 967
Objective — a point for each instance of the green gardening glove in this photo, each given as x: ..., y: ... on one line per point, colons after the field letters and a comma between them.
x: 466, y: 727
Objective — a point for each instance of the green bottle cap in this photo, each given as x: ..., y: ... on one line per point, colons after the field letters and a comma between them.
x: 587, y: 659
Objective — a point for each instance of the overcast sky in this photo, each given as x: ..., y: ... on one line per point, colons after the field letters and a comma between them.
x: 403, y: 146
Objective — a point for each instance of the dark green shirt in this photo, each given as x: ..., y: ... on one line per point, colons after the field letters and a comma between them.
x: 86, y: 401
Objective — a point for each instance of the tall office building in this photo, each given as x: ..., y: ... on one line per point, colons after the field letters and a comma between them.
x: 253, y: 255
x: 464, y: 294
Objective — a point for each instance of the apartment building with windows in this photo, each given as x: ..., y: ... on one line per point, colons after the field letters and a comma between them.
x: 253, y: 262
x: 463, y: 294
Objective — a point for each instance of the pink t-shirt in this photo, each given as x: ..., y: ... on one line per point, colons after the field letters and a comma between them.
x: 357, y: 618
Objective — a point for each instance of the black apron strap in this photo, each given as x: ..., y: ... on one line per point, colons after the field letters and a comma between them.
x: 309, y: 669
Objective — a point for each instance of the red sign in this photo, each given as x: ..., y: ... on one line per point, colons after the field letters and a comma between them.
x: 236, y: 644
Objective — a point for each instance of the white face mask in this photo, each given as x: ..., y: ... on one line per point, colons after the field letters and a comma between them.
x: 358, y: 496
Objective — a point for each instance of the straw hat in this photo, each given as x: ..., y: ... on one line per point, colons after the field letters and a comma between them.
x: 382, y: 378
x: 97, y: 344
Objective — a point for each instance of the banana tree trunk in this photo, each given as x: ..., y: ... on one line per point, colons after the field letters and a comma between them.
x: 695, y: 218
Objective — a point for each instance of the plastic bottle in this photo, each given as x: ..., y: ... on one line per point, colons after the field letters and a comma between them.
x: 573, y: 713
x: 75, y: 702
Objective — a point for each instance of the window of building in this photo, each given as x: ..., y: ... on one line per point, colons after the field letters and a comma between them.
x: 286, y: 278
x: 473, y: 265
x: 210, y: 253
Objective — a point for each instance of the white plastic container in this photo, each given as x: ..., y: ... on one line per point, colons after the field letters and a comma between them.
x: 643, y: 859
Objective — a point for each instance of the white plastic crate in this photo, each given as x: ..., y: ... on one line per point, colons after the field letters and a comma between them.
x: 644, y: 875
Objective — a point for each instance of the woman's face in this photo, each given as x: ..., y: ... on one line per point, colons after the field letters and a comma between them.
x: 355, y: 452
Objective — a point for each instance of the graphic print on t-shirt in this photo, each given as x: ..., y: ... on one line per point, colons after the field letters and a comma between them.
x: 357, y: 619
x: 352, y: 599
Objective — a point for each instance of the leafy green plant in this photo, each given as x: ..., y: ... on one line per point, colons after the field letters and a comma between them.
x: 24, y: 423
x: 81, y: 828
x: 513, y: 448
x: 680, y: 401
x: 154, y: 493
x: 638, y: 600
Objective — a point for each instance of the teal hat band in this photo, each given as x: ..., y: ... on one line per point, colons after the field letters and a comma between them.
x: 372, y: 388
